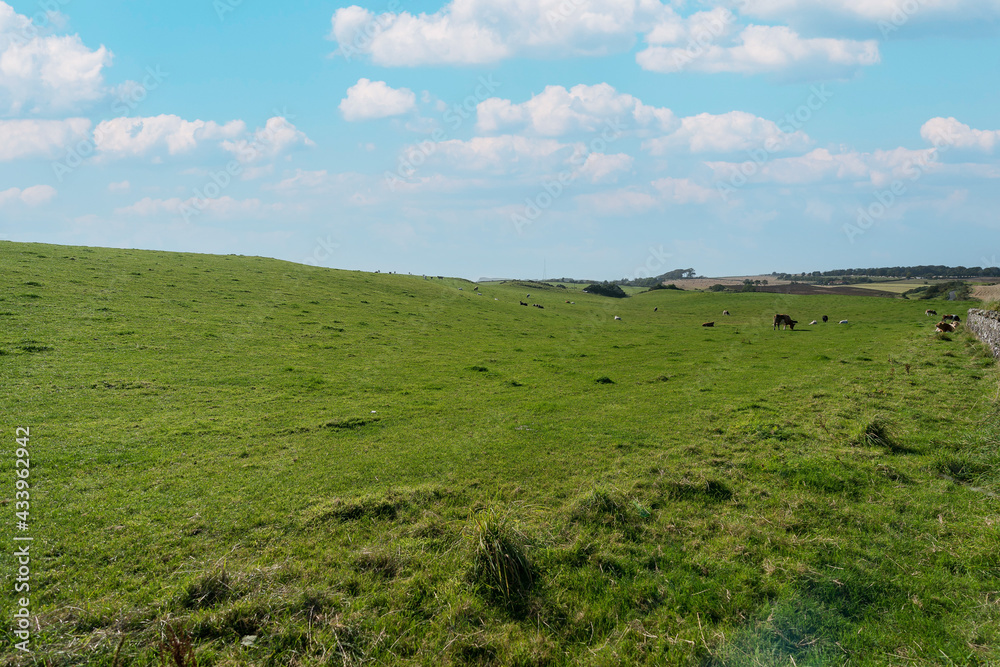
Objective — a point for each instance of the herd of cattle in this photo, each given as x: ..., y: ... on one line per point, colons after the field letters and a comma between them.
x: 948, y: 323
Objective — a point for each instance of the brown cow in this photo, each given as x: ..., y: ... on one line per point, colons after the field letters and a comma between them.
x: 708, y: 324
x: 944, y: 327
x: 784, y: 321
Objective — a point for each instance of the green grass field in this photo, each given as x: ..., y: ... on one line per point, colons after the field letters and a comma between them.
x: 254, y: 462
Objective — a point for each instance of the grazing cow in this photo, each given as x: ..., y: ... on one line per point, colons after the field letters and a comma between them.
x: 825, y: 318
x: 708, y: 324
x: 813, y: 322
x: 725, y: 312
x: 843, y: 321
x: 930, y: 312
x: 522, y: 303
x: 617, y: 318
x: 656, y: 309
x: 784, y: 321
x: 944, y: 327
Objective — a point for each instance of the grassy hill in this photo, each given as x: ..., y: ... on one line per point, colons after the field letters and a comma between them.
x: 266, y: 463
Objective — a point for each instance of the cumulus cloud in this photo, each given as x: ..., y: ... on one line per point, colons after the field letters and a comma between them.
x: 557, y: 111
x: 468, y: 32
x: 46, y: 73
x: 140, y: 136
x: 819, y: 166
x: 502, y: 154
x: 39, y: 138
x: 375, y: 99
x: 36, y: 195
x: 948, y: 132
x: 276, y: 137
x: 724, y: 133
x: 765, y: 49
x: 601, y: 168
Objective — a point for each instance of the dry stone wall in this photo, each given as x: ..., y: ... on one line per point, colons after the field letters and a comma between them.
x: 985, y: 324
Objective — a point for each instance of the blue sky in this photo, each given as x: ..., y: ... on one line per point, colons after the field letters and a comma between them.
x: 587, y: 138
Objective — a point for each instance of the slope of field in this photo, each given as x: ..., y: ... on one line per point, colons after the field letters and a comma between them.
x: 267, y: 463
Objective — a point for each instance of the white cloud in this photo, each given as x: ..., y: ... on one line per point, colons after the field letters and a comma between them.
x: 814, y: 167
x: 121, y: 186
x: 375, y: 99
x: 36, y: 195
x: 219, y: 207
x: 871, y: 11
x: 46, y: 73
x: 39, y: 138
x: 948, y: 132
x: 622, y: 202
x: 502, y: 154
x: 136, y: 137
x: 557, y: 111
x: 878, y: 168
x: 276, y: 137
x: 601, y: 168
x: 765, y: 49
x: 683, y: 191
x: 484, y: 31
x: 724, y: 133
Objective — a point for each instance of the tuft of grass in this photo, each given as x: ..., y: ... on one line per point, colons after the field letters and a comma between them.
x: 500, y: 564
x: 212, y: 589
x: 604, y: 507
x: 874, y: 431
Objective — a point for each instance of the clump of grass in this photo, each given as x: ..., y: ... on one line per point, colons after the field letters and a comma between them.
x: 602, y: 506
x: 381, y: 563
x: 500, y: 563
x: 211, y: 589
x: 874, y: 431
x: 699, y: 488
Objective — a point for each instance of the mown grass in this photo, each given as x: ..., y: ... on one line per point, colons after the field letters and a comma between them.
x: 255, y: 462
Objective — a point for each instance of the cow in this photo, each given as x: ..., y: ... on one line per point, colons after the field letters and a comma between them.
x: 813, y: 322
x: 617, y: 318
x: 825, y: 318
x: 956, y: 319
x: 708, y: 324
x: 725, y: 312
x: 784, y: 321
x: 930, y: 312
x: 656, y: 309
x: 522, y: 303
x: 944, y: 327
x: 843, y: 321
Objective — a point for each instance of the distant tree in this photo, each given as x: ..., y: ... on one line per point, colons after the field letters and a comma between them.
x: 606, y: 289
x: 717, y: 288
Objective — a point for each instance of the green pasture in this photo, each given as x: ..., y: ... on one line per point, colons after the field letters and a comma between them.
x: 242, y: 461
